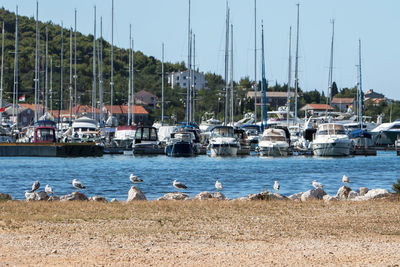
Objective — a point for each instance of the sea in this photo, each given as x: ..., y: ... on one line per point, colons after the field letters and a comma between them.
x: 108, y: 176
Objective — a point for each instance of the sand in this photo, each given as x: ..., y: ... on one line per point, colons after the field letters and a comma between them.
x: 193, y: 233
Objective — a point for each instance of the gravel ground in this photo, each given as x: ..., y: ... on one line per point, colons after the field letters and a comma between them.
x: 191, y: 233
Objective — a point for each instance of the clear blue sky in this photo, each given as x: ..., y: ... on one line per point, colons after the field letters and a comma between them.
x: 376, y: 23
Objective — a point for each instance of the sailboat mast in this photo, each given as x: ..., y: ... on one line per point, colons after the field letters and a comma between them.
x: 129, y: 74
x: 289, y: 76
x: 296, y: 79
x: 70, y: 76
x: 231, y: 83
x: 133, y: 82
x: 46, y: 72
x: 94, y: 68
x: 190, y: 77
x: 36, y: 80
x: 15, y: 88
x: 255, y: 61
x: 162, y: 84
x: 112, y: 59
x: 330, y: 79
x: 100, y: 56
x: 226, y: 64
x: 75, y: 76
x: 360, y: 84
x: 2, y: 73
x: 264, y: 82
x: 51, y: 84
x: 194, y: 79
x: 187, y: 118
x: 60, y: 97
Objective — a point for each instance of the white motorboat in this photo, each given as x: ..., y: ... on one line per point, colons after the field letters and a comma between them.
x: 386, y: 133
x: 223, y: 141
x: 273, y: 143
x: 331, y: 140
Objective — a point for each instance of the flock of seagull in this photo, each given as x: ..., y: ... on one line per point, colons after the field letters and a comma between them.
x: 178, y: 185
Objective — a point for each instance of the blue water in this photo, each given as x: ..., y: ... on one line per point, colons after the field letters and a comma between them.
x: 109, y: 175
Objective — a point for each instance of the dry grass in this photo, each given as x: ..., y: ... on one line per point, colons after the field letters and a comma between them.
x: 194, y: 233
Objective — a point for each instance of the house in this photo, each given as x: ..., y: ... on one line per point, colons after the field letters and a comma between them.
x: 316, y: 109
x: 343, y: 104
x: 274, y: 99
x: 24, y: 114
x: 370, y: 94
x: 181, y: 79
x: 146, y: 99
x: 121, y: 113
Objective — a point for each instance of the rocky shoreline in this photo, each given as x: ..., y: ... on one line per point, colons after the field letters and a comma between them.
x: 344, y: 193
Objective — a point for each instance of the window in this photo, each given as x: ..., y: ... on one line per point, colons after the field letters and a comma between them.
x: 184, y: 77
x: 177, y: 78
x: 184, y: 84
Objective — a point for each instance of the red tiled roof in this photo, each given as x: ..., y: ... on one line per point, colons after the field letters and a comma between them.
x: 320, y: 106
x: 123, y: 109
x: 337, y: 100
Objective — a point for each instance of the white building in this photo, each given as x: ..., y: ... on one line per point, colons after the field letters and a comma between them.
x: 180, y: 79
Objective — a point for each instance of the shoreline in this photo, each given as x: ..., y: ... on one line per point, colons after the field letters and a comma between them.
x: 200, y: 233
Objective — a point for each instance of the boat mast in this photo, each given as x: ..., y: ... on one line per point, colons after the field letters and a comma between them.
x: 296, y: 79
x: 75, y: 76
x: 2, y: 73
x: 162, y: 84
x: 36, y: 80
x: 194, y: 79
x: 70, y: 76
x: 231, y: 83
x: 60, y: 97
x: 289, y: 76
x: 255, y: 61
x: 133, y: 83
x: 94, y: 68
x: 51, y: 84
x: 188, y: 72
x: 190, y: 77
x: 360, y: 84
x: 100, y: 56
x: 112, y: 60
x: 264, y: 82
x: 46, y: 73
x: 226, y: 63
x: 15, y: 89
x: 329, y: 95
x: 129, y: 72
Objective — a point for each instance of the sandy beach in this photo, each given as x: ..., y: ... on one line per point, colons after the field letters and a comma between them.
x: 193, y: 233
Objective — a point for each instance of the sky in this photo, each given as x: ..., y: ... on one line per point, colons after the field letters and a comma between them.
x: 375, y: 23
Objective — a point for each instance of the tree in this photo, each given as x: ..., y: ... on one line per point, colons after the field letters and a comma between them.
x: 334, y: 89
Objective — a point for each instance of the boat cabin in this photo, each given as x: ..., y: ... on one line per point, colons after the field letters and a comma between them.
x: 331, y: 129
x: 145, y: 133
x: 44, y: 132
x: 222, y: 131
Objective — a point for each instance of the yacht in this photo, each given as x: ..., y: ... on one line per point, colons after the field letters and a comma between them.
x: 207, y: 125
x: 331, y: 140
x: 223, y: 141
x: 386, y: 133
x: 83, y: 130
x: 146, y: 141
x: 273, y: 143
x: 253, y: 134
x: 180, y: 145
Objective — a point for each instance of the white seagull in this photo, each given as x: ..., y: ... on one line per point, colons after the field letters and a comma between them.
x: 77, y: 184
x: 276, y: 186
x: 218, y: 185
x: 345, y: 179
x: 29, y: 195
x: 179, y: 185
x: 48, y: 189
x: 35, y: 186
x: 134, y: 179
x: 316, y: 184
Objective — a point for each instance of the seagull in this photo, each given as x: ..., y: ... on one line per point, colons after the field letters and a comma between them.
x: 317, y: 184
x: 179, y: 185
x: 276, y: 186
x: 29, y: 195
x: 35, y: 186
x: 77, y: 184
x: 134, y: 179
x: 48, y: 189
x: 218, y: 185
x: 345, y: 179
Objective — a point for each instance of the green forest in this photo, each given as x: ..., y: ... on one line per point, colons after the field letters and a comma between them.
x: 147, y: 71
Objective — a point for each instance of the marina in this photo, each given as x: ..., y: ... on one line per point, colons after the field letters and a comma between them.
x: 108, y: 176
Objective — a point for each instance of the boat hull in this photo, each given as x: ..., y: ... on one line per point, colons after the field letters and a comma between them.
x: 274, y: 151
x: 223, y: 150
x: 148, y: 149
x: 180, y: 150
x: 51, y: 150
x: 331, y: 149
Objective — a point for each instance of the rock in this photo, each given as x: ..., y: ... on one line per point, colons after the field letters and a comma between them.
x: 363, y: 191
x: 203, y: 195
x: 343, y: 192
x: 98, y: 199
x: 352, y: 195
x: 242, y: 199
x: 5, y: 197
x: 277, y: 196
x: 317, y: 193
x: 209, y: 196
x: 260, y: 196
x: 54, y: 198
x: 377, y: 193
x: 219, y: 196
x: 114, y: 200
x: 74, y: 196
x: 296, y: 197
x: 135, y: 194
x: 328, y: 198
x: 174, y: 196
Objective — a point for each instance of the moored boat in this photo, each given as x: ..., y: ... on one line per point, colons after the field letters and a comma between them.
x: 331, y: 140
